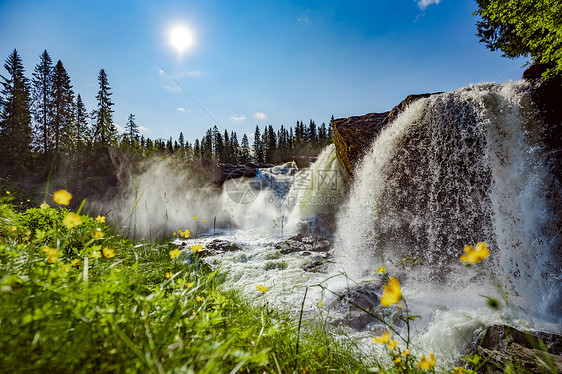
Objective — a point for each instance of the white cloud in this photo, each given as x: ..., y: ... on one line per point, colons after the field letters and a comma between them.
x: 180, y: 109
x: 144, y: 129
x: 303, y: 19
x: 118, y: 127
x: 237, y: 118
x: 425, y: 3
x: 260, y: 116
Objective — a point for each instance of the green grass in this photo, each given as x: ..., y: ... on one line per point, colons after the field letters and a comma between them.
x: 126, y: 314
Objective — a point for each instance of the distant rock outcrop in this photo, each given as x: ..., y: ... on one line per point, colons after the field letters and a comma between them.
x: 352, y: 136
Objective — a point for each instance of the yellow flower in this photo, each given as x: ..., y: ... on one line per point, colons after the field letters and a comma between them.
x: 392, y: 344
x: 98, y: 234
x: 426, y: 364
x: 197, y: 248
x: 381, y: 269
x: 175, y: 253
x: 397, y: 360
x: 13, y: 228
x: 203, y: 221
x: 406, y: 353
x: 185, y: 233
x: 62, y: 197
x: 52, y: 255
x: 95, y: 255
x: 100, y: 219
x: 174, y: 234
x: 189, y: 284
x: 72, y: 220
x: 194, y: 218
x: 457, y: 371
x: 7, y: 192
x: 66, y: 268
x: 392, y: 292
x: 383, y: 339
x: 320, y: 303
x: 199, y: 298
x: 169, y: 274
x: 75, y: 262
x: 261, y: 288
x: 474, y: 256
x: 108, y: 252
x: 44, y: 206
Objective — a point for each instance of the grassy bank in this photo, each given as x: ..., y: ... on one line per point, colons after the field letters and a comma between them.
x: 79, y: 298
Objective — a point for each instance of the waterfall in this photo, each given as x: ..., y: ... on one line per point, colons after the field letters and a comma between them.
x: 454, y: 169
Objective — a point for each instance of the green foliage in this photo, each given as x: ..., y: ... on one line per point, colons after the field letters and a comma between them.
x: 531, y: 28
x: 137, y: 311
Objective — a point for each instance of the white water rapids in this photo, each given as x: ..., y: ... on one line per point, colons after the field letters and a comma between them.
x: 453, y: 169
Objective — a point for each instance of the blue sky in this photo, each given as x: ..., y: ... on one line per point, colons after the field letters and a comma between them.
x: 254, y: 62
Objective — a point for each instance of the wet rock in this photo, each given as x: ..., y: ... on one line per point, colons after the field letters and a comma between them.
x: 530, y: 352
x: 353, y: 136
x: 300, y: 243
x: 218, y: 247
x: 361, y: 307
x: 318, y: 264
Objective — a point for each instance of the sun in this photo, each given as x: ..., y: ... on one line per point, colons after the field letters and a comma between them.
x: 180, y: 38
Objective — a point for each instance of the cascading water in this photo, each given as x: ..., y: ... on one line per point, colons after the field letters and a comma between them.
x: 454, y: 169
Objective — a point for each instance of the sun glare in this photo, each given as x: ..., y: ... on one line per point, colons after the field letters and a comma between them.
x: 180, y: 38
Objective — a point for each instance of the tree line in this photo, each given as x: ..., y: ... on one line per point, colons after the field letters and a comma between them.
x: 42, y: 117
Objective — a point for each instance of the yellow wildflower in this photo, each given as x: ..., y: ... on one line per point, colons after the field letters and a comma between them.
x: 72, y: 220
x: 392, y: 344
x: 98, y: 234
x: 44, y: 206
x: 95, y: 255
x: 397, y: 360
x: 261, y: 288
x: 383, y: 339
x: 189, y: 284
x: 406, y: 353
x: 474, y: 256
x: 75, y: 262
x: 66, y: 268
x: 197, y: 248
x: 108, y: 252
x: 174, y: 234
x: 381, y: 269
x: 175, y: 253
x: 457, y: 371
x: 194, y: 218
x: 13, y: 228
x: 392, y: 292
x: 7, y: 192
x: 426, y: 364
x: 199, y: 298
x: 100, y: 219
x: 203, y: 221
x: 52, y: 255
x: 62, y: 197
x: 320, y: 303
x: 169, y: 274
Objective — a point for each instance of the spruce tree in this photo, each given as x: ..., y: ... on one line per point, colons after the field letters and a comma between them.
x: 105, y: 130
x: 245, y: 152
x: 81, y: 120
x: 42, y: 89
x: 15, y: 117
x: 63, y: 107
x: 258, y: 146
x: 132, y: 130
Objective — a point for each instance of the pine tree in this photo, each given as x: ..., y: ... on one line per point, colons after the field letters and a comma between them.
x: 81, y: 121
x: 245, y: 152
x: 63, y: 105
x: 105, y: 130
x: 196, y: 150
x: 258, y: 146
x: 181, y: 140
x: 132, y: 130
x: 15, y: 117
x: 42, y: 88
